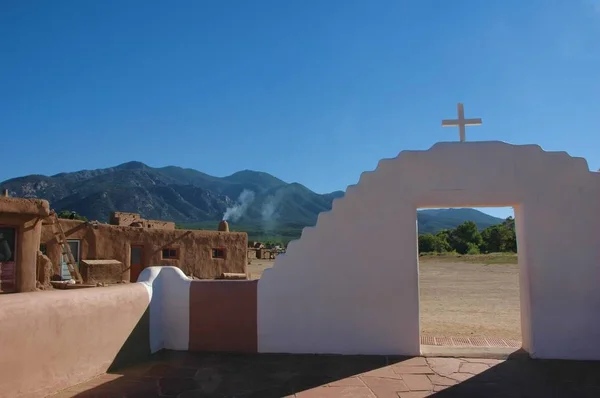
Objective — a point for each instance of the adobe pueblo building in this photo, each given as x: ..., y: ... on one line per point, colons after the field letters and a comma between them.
x: 136, y: 243
x: 20, y: 230
x: 31, y: 250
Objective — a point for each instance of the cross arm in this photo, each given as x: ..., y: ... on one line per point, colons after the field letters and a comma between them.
x: 450, y: 122
x: 458, y: 122
x: 472, y: 122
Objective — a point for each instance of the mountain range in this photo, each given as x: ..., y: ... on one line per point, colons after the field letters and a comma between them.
x: 256, y: 200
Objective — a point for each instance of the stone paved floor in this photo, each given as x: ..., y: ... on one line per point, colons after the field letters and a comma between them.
x: 188, y: 375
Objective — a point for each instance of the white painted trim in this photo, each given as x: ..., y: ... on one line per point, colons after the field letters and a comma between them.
x: 169, y: 291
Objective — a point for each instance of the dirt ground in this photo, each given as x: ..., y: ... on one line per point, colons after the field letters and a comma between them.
x: 461, y: 299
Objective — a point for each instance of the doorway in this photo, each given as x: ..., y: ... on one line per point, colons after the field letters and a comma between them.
x: 8, y: 265
x: 75, y: 246
x: 469, y: 288
x: 135, y: 262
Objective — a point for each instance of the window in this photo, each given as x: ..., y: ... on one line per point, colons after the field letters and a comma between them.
x: 43, y: 248
x: 7, y: 244
x: 136, y: 255
x: 75, y: 246
x: 218, y: 253
x: 169, y: 253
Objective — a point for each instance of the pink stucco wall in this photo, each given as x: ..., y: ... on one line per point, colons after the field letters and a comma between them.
x: 53, y: 340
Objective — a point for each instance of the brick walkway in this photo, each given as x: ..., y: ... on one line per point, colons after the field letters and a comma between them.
x: 188, y: 375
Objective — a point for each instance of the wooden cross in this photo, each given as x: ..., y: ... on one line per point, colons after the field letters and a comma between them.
x: 461, y: 122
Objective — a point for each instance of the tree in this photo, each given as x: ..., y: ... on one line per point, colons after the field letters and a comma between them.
x: 443, y: 237
x: 464, y: 237
x: 429, y: 243
x: 426, y: 243
x: 500, y: 238
x: 71, y: 215
x: 472, y: 248
x: 511, y: 244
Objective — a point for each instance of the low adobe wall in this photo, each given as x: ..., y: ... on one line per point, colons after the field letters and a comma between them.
x: 223, y: 316
x: 53, y: 340
x: 192, y: 315
x: 56, y: 339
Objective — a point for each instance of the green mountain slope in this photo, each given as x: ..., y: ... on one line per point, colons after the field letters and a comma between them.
x: 269, y: 206
x: 434, y: 220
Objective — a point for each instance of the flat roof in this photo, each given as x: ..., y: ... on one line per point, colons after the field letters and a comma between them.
x: 24, y: 206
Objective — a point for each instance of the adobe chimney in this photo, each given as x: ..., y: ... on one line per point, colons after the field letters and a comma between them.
x: 223, y: 226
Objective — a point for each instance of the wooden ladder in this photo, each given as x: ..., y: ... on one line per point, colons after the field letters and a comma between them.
x: 66, y: 254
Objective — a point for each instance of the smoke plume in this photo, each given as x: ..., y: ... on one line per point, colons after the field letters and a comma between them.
x: 235, y: 212
x: 269, y: 212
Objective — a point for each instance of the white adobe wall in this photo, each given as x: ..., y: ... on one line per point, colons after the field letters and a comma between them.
x: 169, y: 291
x: 350, y: 284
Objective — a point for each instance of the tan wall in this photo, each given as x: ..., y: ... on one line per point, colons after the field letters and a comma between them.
x: 122, y: 218
x: 104, y: 242
x: 32, y: 207
x: 158, y: 224
x: 28, y: 230
x: 127, y: 219
x: 101, y: 271
x: 56, y: 339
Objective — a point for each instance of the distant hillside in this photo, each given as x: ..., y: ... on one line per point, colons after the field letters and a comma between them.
x: 176, y: 194
x: 434, y: 220
x: 255, y: 201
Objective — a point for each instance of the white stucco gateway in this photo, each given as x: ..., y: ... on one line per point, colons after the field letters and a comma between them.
x: 350, y: 284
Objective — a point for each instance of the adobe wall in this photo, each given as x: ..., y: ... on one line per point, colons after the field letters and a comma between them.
x: 200, y: 315
x: 223, y: 316
x: 123, y: 218
x: 24, y: 206
x: 101, y: 271
x: 158, y: 224
x: 105, y: 242
x: 329, y: 295
x: 56, y: 339
x: 25, y: 215
x: 135, y: 220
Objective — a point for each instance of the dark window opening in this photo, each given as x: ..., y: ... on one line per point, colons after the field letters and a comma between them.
x: 43, y: 248
x: 7, y: 244
x: 218, y: 253
x: 169, y: 253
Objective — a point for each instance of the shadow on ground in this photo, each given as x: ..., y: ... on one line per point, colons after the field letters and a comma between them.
x: 187, y: 375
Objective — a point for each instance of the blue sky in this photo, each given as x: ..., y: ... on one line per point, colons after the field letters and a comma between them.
x: 309, y: 91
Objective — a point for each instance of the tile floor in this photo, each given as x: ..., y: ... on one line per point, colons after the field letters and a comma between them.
x: 187, y: 375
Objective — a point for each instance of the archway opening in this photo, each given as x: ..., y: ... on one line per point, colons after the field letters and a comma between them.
x: 469, y: 278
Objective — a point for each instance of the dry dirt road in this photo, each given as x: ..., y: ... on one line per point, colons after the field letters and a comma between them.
x: 460, y: 299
